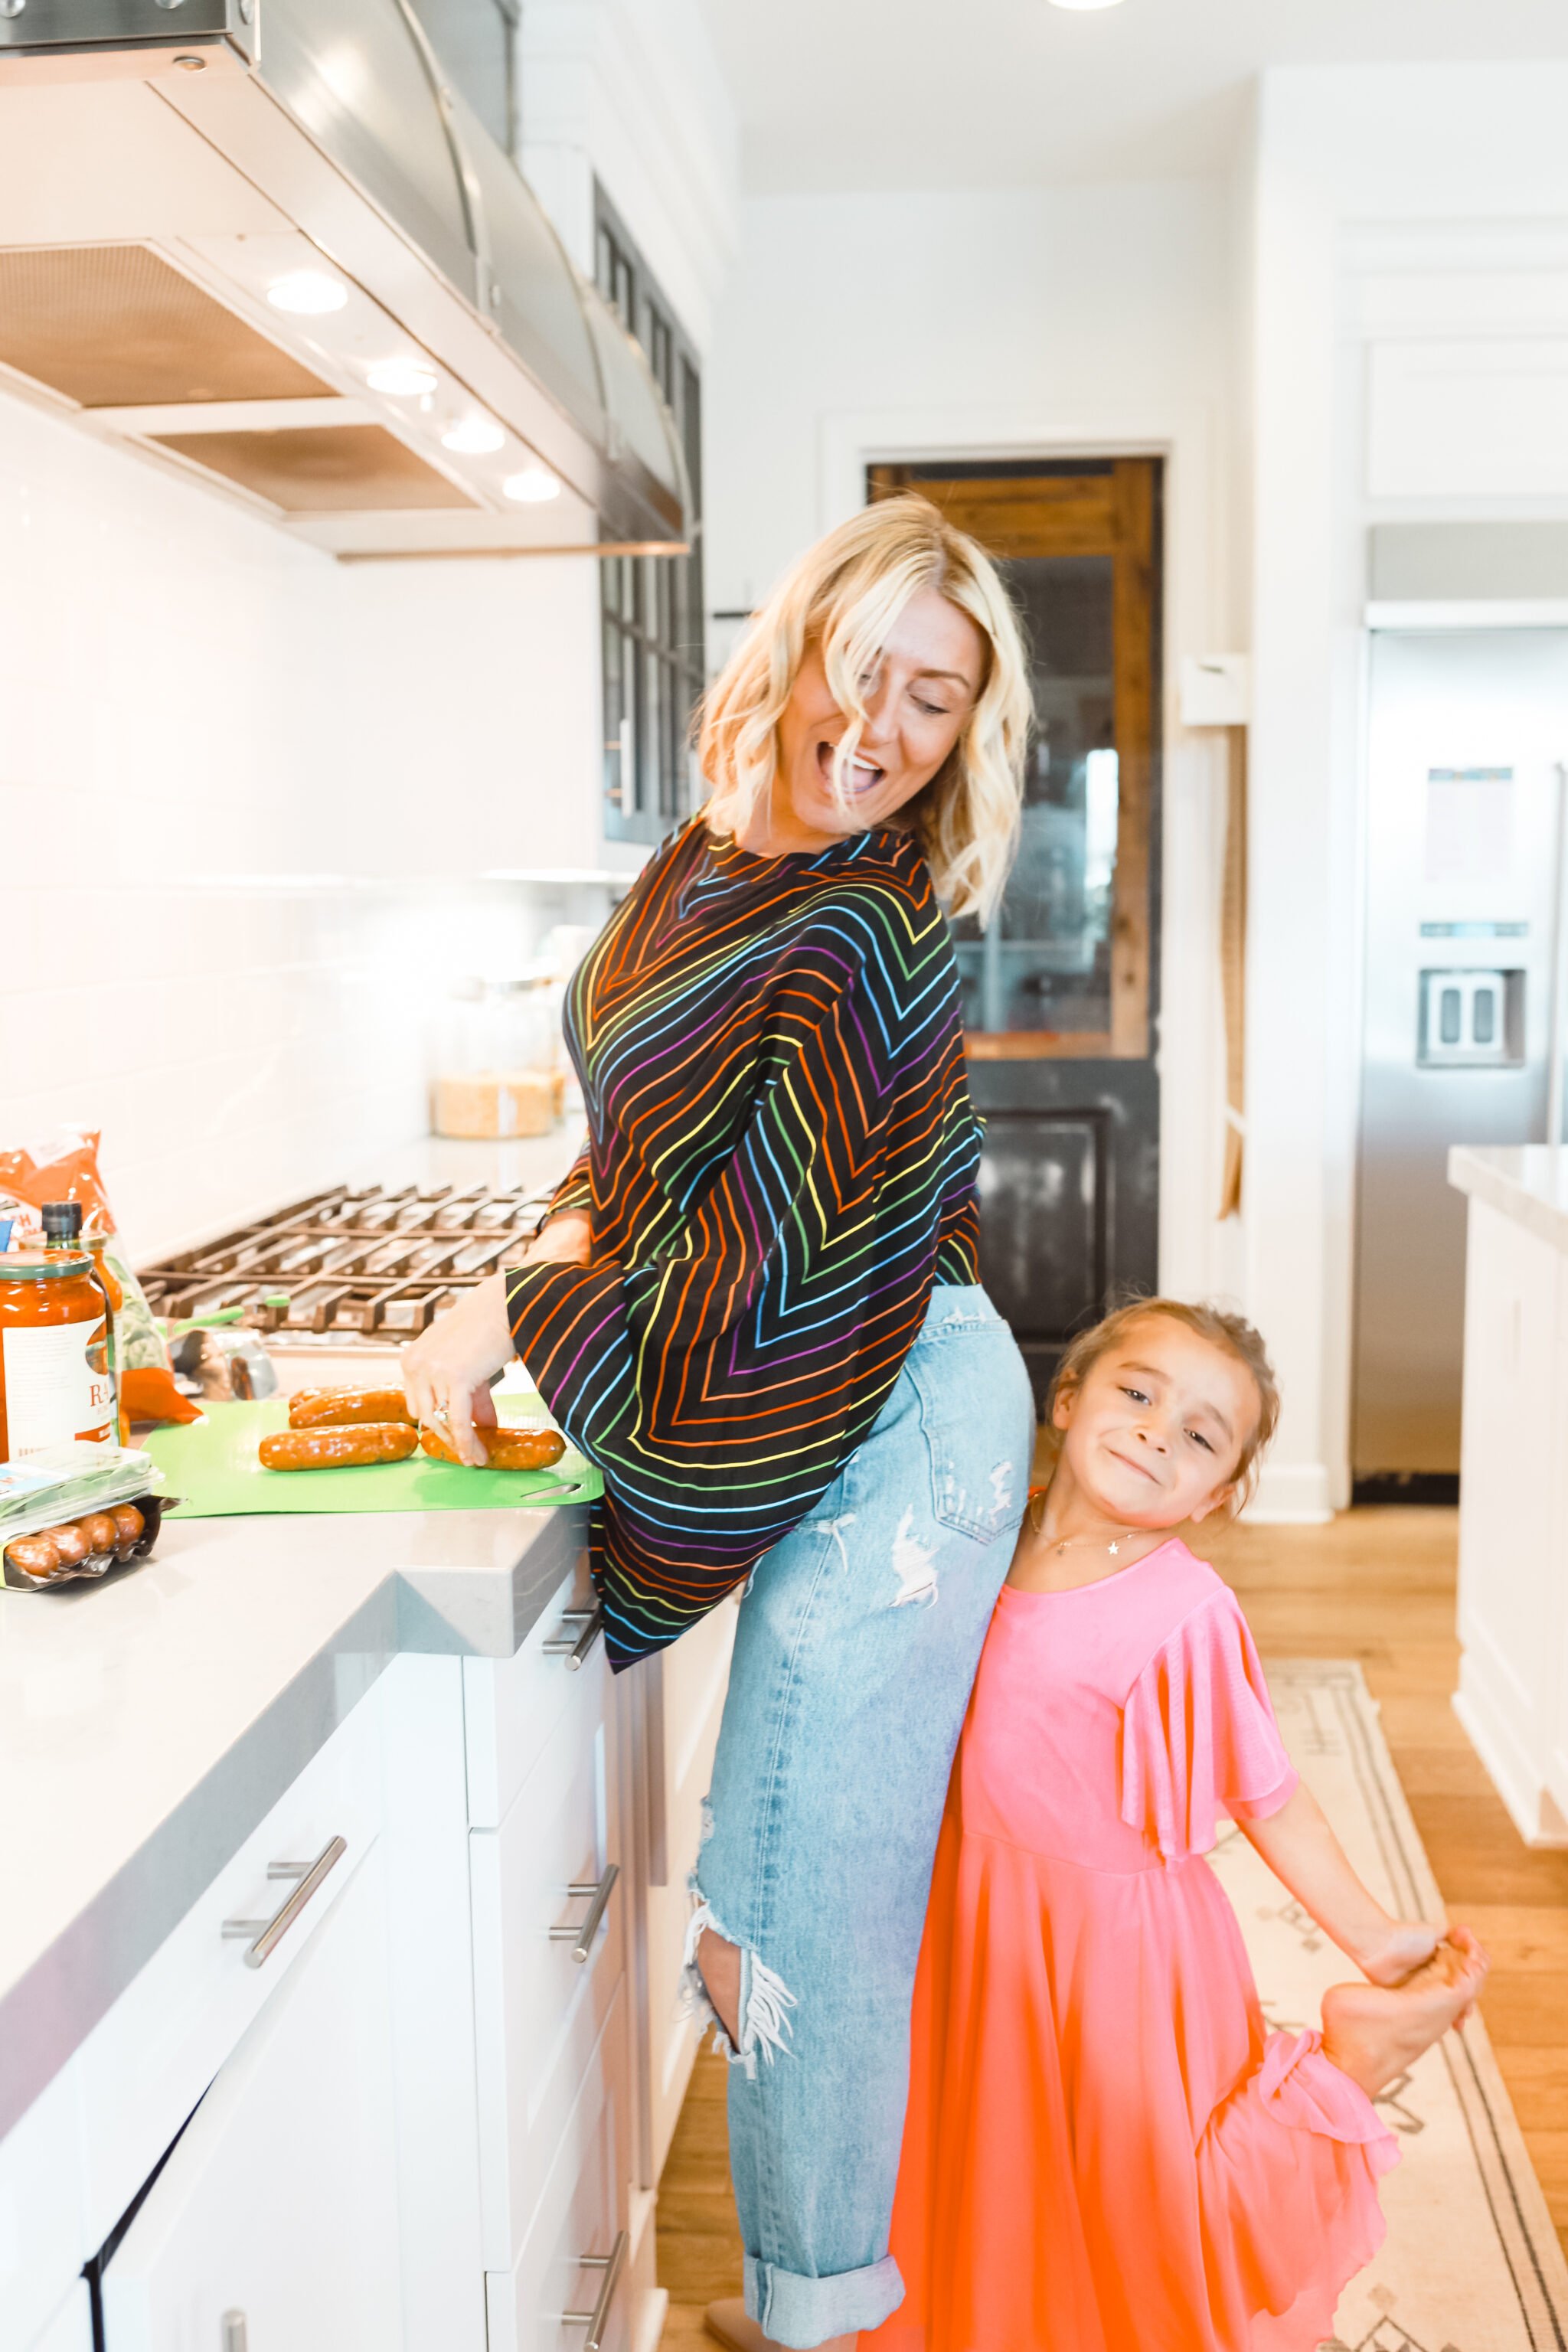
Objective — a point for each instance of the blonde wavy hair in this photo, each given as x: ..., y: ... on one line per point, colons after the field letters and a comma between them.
x: 843, y: 596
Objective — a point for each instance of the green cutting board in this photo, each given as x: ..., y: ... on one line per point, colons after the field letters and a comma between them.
x: 211, y: 1465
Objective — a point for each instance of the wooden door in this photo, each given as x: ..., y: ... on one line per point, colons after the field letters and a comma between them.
x: 1060, y: 992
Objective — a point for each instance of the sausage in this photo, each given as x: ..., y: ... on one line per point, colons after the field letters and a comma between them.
x: 338, y: 1449
x: 69, y: 1543
x: 346, y: 1408
x: 33, y: 1555
x: 129, y: 1528
x: 509, y: 1449
x: 100, y: 1530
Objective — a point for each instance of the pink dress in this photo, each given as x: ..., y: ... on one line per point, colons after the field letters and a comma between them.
x: 1106, y: 2150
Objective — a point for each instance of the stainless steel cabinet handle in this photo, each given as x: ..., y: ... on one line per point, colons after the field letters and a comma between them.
x: 574, y: 1647
x: 267, y: 1934
x: 236, y: 2334
x: 581, y: 1939
x: 598, y: 2319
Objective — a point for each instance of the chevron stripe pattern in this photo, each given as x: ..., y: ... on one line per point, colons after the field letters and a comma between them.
x: 781, y: 1163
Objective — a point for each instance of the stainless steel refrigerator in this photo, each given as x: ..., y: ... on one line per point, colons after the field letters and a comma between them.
x: 1463, y: 994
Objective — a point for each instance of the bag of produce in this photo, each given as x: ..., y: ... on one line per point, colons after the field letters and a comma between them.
x: 65, y: 1169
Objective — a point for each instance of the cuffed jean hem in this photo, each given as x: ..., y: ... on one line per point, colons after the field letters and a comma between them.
x: 802, y: 2312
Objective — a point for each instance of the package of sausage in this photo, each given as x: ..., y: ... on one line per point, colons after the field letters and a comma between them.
x: 77, y: 1511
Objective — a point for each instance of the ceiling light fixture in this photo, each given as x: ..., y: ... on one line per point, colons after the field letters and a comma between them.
x: 307, y: 294
x: 476, y: 436
x: 533, y: 485
x: 404, y: 379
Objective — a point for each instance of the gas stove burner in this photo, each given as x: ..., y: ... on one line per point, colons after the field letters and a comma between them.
x: 360, y: 1264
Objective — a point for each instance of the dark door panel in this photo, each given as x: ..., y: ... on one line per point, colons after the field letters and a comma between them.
x: 1069, y: 1196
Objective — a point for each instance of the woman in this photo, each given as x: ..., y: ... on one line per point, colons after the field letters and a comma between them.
x: 755, y: 1305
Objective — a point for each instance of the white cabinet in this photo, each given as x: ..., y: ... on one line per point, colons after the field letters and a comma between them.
x: 574, y: 2267
x: 539, y: 2008
x: 1513, y: 1519
x: 687, y: 1682
x: 433, y: 2119
x: 71, y: 2330
x: 146, y: 2062
x: 43, y: 2236
x: 278, y: 2205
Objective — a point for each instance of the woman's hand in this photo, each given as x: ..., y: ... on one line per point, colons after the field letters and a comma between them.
x: 568, y: 1238
x: 447, y: 1371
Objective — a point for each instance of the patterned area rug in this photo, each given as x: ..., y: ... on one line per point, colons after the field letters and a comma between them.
x: 1472, y: 2262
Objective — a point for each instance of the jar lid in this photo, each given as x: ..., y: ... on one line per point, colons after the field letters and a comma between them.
x: 42, y: 1265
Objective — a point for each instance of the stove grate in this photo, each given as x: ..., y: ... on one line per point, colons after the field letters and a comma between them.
x: 363, y: 1263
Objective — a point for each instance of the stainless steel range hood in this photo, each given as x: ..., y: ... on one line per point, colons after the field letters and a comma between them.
x: 264, y: 243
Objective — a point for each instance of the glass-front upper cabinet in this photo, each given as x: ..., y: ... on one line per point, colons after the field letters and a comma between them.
x: 652, y: 607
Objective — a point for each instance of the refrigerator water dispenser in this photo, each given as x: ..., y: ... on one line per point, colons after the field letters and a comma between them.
x: 1471, y: 1020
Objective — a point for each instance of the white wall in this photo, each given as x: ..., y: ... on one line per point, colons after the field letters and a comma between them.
x: 629, y: 92
x: 1396, y: 210
x: 246, y: 795
x: 1034, y: 321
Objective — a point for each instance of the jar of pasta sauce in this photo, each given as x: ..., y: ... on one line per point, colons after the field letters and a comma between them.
x: 56, y: 1385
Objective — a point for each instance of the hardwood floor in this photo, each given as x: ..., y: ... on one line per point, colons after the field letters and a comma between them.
x: 1377, y: 1586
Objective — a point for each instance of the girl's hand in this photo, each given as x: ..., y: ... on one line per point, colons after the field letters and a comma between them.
x: 447, y: 1371
x: 1406, y: 1946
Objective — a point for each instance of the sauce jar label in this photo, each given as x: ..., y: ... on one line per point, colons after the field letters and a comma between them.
x: 58, y: 1387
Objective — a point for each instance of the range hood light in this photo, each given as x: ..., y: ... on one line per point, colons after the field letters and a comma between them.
x: 404, y: 379
x: 307, y: 294
x: 476, y: 436
x: 533, y: 485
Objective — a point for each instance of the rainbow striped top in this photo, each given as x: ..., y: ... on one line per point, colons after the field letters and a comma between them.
x: 781, y: 1164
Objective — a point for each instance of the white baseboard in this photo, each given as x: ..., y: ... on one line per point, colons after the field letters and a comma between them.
x: 1528, y: 1808
x: 648, y: 2324
x: 1291, y: 1493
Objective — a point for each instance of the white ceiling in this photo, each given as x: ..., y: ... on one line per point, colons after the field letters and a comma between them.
x: 864, y: 94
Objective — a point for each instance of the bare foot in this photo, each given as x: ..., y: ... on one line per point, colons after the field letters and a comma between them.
x: 1372, y: 2033
x: 1407, y: 1946
x: 729, y: 2323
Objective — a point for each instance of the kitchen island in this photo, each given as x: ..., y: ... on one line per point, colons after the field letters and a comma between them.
x: 1513, y: 1483
x: 341, y: 1918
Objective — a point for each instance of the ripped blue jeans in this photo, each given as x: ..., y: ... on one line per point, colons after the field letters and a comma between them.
x: 857, y: 1646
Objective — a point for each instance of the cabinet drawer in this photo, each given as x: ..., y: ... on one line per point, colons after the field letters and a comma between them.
x: 43, y: 2237
x: 279, y: 2203
x: 579, y: 2225
x: 511, y: 1705
x: 539, y: 2011
x: 148, y: 2061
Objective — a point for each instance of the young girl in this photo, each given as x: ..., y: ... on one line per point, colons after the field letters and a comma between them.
x: 1106, y: 2150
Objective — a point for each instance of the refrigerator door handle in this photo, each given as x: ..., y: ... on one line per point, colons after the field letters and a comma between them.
x: 1554, y: 1025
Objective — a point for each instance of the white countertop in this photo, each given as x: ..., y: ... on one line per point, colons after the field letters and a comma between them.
x: 1526, y: 1181
x: 149, y: 1722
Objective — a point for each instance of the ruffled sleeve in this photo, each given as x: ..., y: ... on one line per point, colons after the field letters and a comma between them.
x: 574, y: 1193
x: 1198, y: 1735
